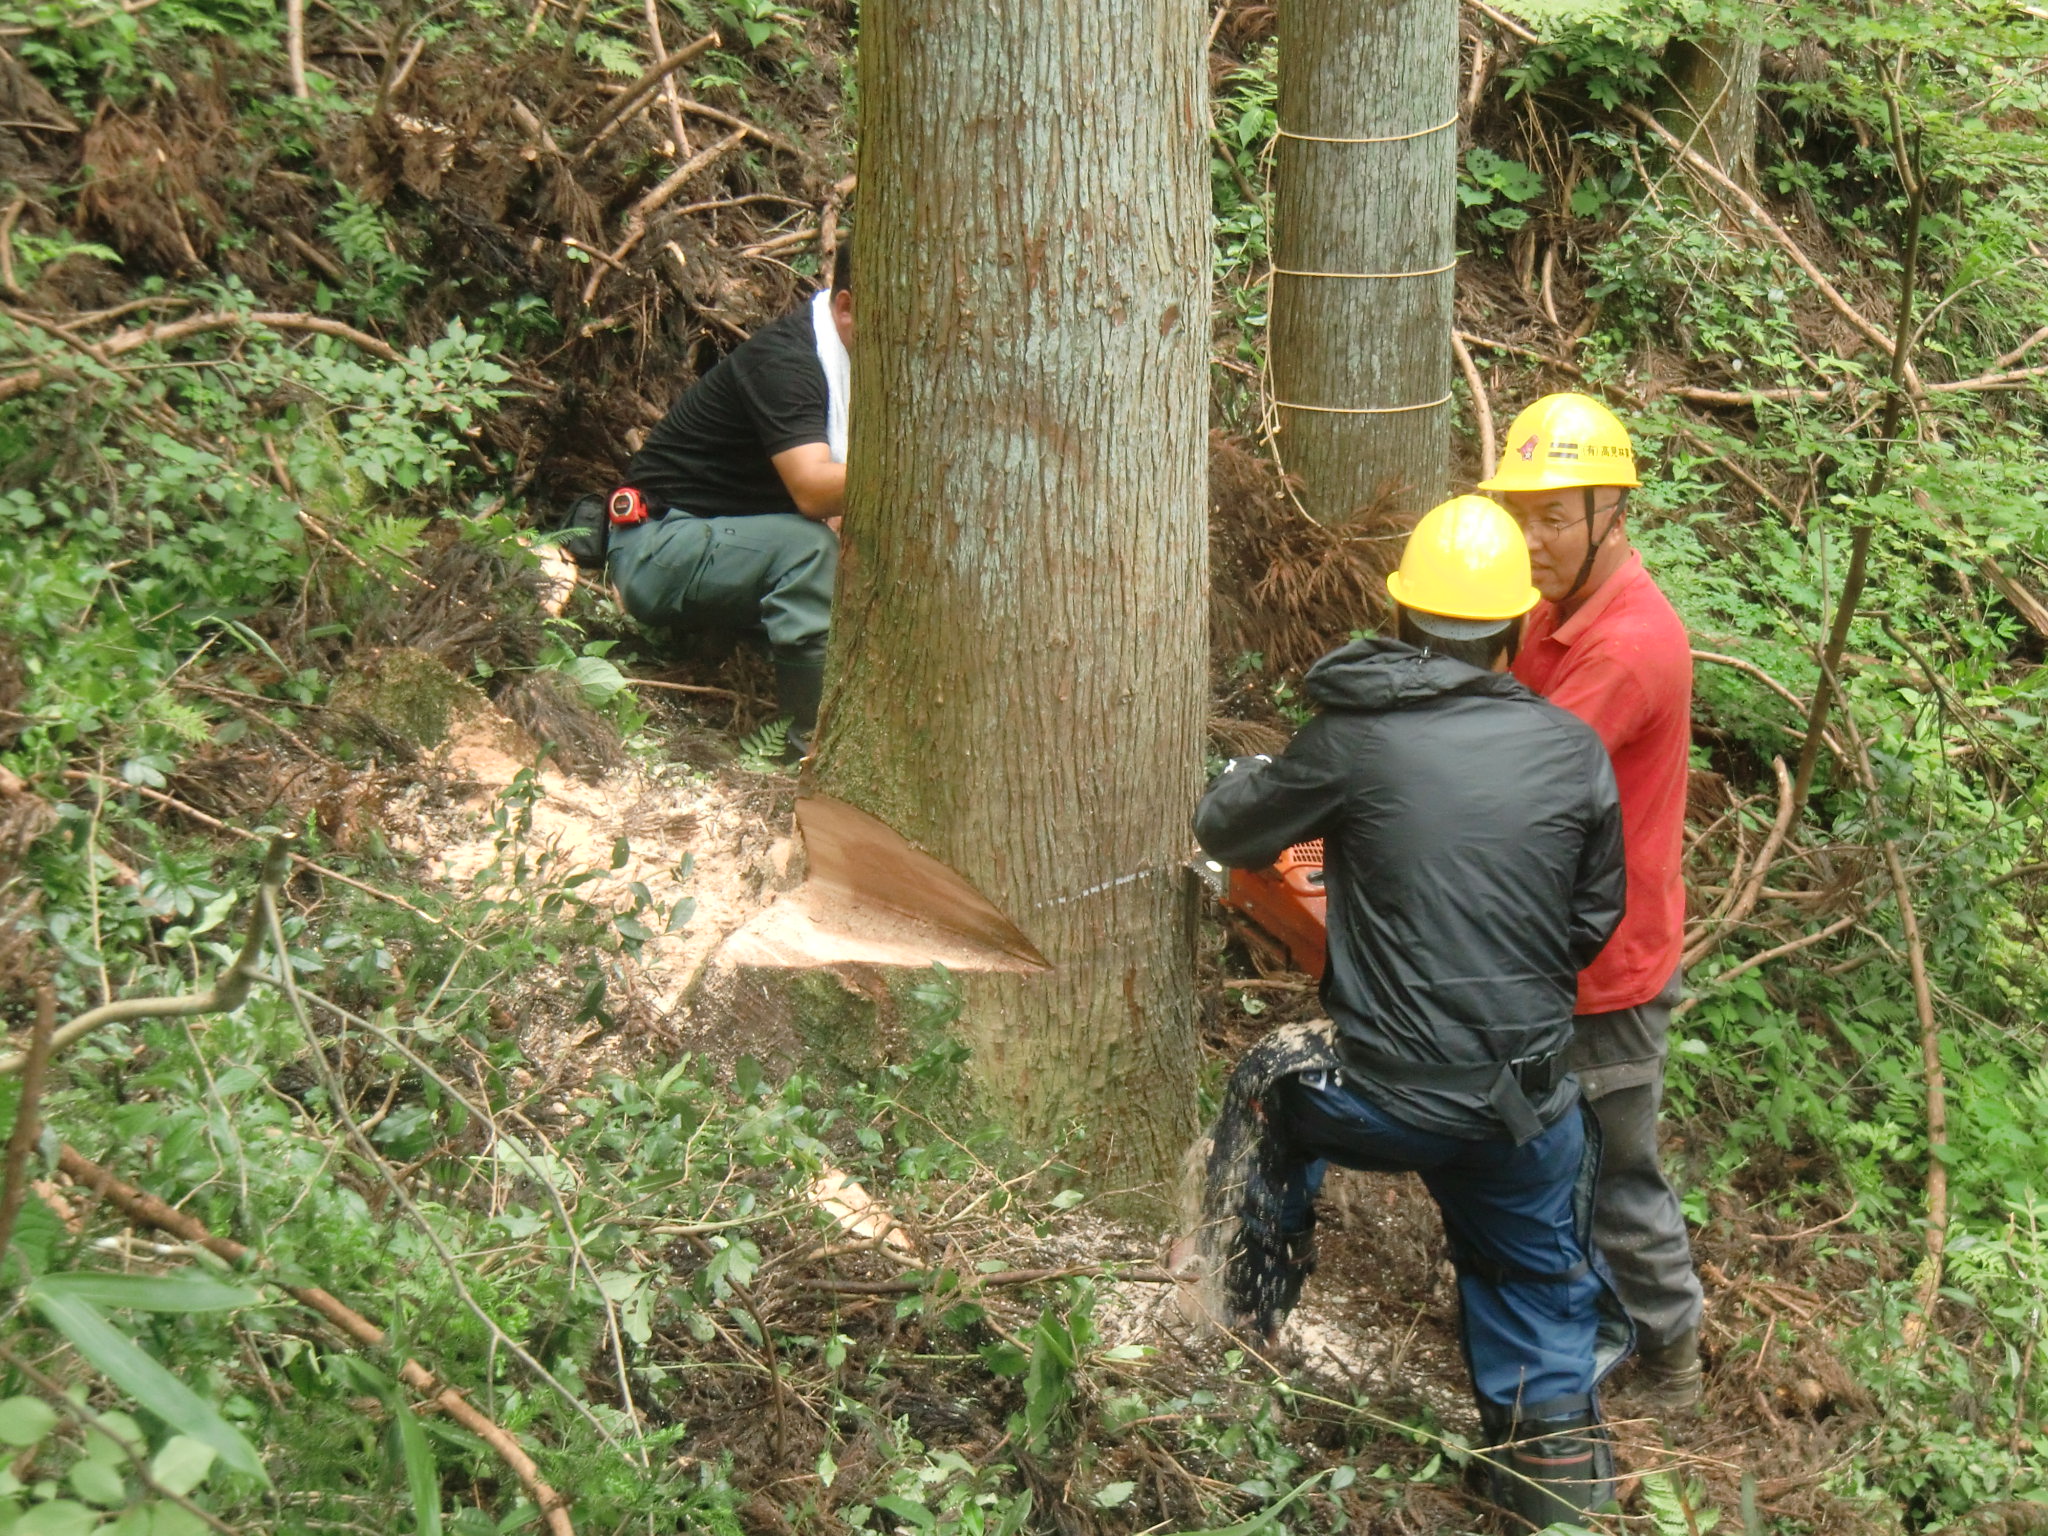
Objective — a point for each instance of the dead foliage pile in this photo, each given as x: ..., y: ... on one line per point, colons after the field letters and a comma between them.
x: 1283, y: 586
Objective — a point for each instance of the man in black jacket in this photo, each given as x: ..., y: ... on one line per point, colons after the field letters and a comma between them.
x: 1472, y: 860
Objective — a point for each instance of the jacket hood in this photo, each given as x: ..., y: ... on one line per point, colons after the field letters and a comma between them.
x: 1375, y: 675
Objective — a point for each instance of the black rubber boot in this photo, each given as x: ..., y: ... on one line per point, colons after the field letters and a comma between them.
x: 799, y: 686
x: 1547, y: 1470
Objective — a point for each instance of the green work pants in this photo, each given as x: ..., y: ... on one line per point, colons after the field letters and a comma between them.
x: 772, y: 574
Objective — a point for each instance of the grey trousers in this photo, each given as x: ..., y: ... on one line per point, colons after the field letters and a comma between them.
x: 771, y: 573
x: 1637, y: 1222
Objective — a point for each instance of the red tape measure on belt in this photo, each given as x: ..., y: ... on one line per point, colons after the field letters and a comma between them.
x: 627, y: 507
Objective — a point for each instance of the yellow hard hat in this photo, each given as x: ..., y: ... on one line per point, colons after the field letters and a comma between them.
x: 1563, y: 441
x: 1465, y: 560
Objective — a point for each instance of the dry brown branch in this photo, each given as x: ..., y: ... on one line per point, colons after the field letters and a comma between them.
x: 2012, y: 380
x: 783, y: 242
x: 149, y: 1211
x: 228, y: 992
x: 1505, y: 22
x: 1747, y: 893
x: 1932, y: 1073
x: 1482, y: 407
x: 1521, y: 351
x: 22, y: 1140
x: 970, y: 1283
x: 122, y: 342
x: 1751, y: 669
x: 703, y: 688
x: 7, y: 283
x: 639, y: 213
x: 635, y: 95
x: 295, y: 46
x: 2024, y: 602
x: 1696, y: 396
x: 1729, y: 188
x: 657, y: 49
x: 753, y: 131
x: 2006, y: 360
x: 172, y: 802
x: 1765, y: 957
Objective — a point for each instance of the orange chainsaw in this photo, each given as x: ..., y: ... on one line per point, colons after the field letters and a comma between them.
x: 1280, y: 911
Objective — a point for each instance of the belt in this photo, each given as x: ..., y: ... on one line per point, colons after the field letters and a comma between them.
x: 1511, y: 1087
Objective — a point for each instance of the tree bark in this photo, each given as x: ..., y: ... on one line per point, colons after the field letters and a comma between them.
x: 1018, y: 665
x: 1714, y: 78
x: 1362, y: 364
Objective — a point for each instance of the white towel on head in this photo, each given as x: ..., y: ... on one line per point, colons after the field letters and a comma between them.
x: 838, y: 368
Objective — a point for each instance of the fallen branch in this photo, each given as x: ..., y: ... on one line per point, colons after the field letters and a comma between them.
x: 2012, y: 380
x: 2008, y: 359
x: 228, y: 992
x: 637, y: 93
x: 703, y: 688
x: 7, y: 283
x: 969, y: 1283
x: 1751, y: 669
x: 1694, y: 161
x: 295, y: 47
x: 193, y: 811
x: 1482, y: 408
x: 22, y: 1140
x: 122, y: 342
x: 1745, y: 896
x: 741, y: 125
x: 640, y: 212
x: 1765, y: 957
x: 149, y: 1211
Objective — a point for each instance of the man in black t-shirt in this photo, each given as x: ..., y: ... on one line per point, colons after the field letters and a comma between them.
x: 743, y: 483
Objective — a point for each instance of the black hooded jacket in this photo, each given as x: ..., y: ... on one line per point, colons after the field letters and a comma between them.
x: 1471, y: 855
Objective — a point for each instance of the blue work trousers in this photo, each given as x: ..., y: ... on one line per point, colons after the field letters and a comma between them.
x: 1527, y: 1283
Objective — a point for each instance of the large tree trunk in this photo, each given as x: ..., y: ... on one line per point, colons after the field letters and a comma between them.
x: 1362, y: 364
x: 1018, y: 662
x: 1714, y: 79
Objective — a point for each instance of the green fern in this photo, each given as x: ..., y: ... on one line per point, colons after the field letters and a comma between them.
x: 1675, y: 1505
x: 762, y: 752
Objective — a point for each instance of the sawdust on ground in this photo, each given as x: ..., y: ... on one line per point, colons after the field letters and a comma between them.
x: 719, y: 839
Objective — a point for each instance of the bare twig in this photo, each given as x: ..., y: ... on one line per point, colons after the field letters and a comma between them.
x: 1779, y: 952
x: 970, y: 1283
x: 22, y: 1140
x: 751, y: 130
x: 7, y: 283
x: 639, y: 213
x: 193, y: 811
x: 178, y: 330
x: 1482, y: 407
x: 1728, y: 187
x: 1932, y: 1073
x: 635, y: 95
x: 1751, y: 890
x: 1738, y: 664
x: 149, y: 1211
x: 295, y: 46
x: 228, y: 992
x: 656, y: 50
x: 2006, y: 360
x: 1900, y: 382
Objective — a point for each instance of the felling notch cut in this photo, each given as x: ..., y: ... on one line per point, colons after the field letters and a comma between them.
x: 870, y: 897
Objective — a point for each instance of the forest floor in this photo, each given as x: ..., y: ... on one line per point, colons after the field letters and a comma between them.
x: 1378, y: 1322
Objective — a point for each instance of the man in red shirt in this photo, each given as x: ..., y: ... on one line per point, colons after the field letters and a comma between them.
x: 1606, y: 645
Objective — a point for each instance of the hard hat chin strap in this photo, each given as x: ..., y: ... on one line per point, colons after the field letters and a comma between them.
x: 1592, y: 546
